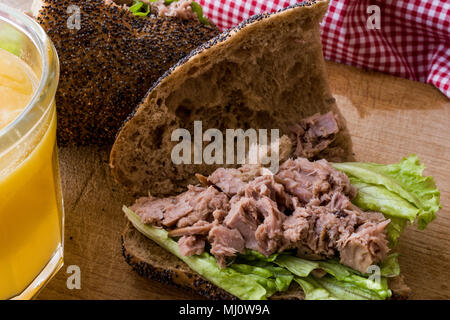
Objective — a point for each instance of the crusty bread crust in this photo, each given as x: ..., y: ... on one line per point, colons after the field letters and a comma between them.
x: 266, y: 73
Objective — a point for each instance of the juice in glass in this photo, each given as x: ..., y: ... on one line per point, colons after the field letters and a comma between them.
x: 31, y: 214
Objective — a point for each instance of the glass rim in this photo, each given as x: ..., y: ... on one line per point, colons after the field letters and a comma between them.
x: 36, y: 34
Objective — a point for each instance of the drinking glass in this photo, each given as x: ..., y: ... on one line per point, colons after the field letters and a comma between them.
x: 31, y: 208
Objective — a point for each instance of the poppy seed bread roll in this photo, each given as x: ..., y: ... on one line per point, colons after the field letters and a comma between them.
x: 108, y: 65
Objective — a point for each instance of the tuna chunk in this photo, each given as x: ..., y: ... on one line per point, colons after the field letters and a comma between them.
x: 232, y: 181
x: 296, y: 226
x: 315, y: 134
x: 267, y: 186
x: 151, y: 210
x: 325, y: 232
x: 365, y: 247
x: 269, y: 234
x: 259, y: 221
x: 225, y: 242
x: 321, y: 126
x: 184, y: 210
x: 199, y: 228
x: 181, y: 9
x: 243, y: 216
x: 191, y: 245
x: 203, y: 205
x: 339, y: 202
x: 195, y: 204
x: 182, y: 205
x: 227, y: 180
x: 314, y: 183
x: 316, y: 230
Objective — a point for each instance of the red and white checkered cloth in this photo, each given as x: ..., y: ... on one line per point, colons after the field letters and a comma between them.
x: 413, y: 40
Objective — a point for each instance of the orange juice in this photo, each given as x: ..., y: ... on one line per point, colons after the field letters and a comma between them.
x: 17, y: 85
x: 30, y: 199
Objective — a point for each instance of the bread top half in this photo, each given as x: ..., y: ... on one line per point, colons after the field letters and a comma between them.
x: 109, y: 58
x: 267, y: 73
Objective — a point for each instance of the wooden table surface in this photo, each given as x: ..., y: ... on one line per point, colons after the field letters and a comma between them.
x: 388, y: 118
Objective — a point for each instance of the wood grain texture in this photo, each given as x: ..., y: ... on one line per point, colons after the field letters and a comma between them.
x: 388, y: 118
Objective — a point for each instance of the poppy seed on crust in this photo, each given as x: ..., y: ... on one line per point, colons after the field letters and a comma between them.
x: 108, y: 65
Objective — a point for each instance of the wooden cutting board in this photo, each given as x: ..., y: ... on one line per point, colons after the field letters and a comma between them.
x: 388, y: 118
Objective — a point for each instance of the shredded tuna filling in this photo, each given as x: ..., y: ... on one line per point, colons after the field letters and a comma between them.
x: 305, y: 207
x: 314, y: 135
x: 180, y: 9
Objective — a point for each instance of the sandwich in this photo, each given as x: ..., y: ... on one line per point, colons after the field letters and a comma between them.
x: 110, y: 54
x: 320, y: 226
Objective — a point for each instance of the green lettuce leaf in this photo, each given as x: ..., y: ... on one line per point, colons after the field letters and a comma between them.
x: 248, y: 269
x: 390, y: 267
x: 395, y: 229
x: 404, y: 179
x: 140, y: 9
x: 394, y: 207
x: 336, y: 269
x: 378, y: 198
x: 243, y: 286
x: 197, y: 9
x: 349, y: 275
x: 380, y: 285
x: 253, y: 255
x: 329, y: 288
x: 299, y: 267
x: 313, y: 290
x: 283, y: 278
x: 303, y: 268
x: 345, y: 290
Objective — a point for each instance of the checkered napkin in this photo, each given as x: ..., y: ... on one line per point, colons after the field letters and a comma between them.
x: 405, y: 38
